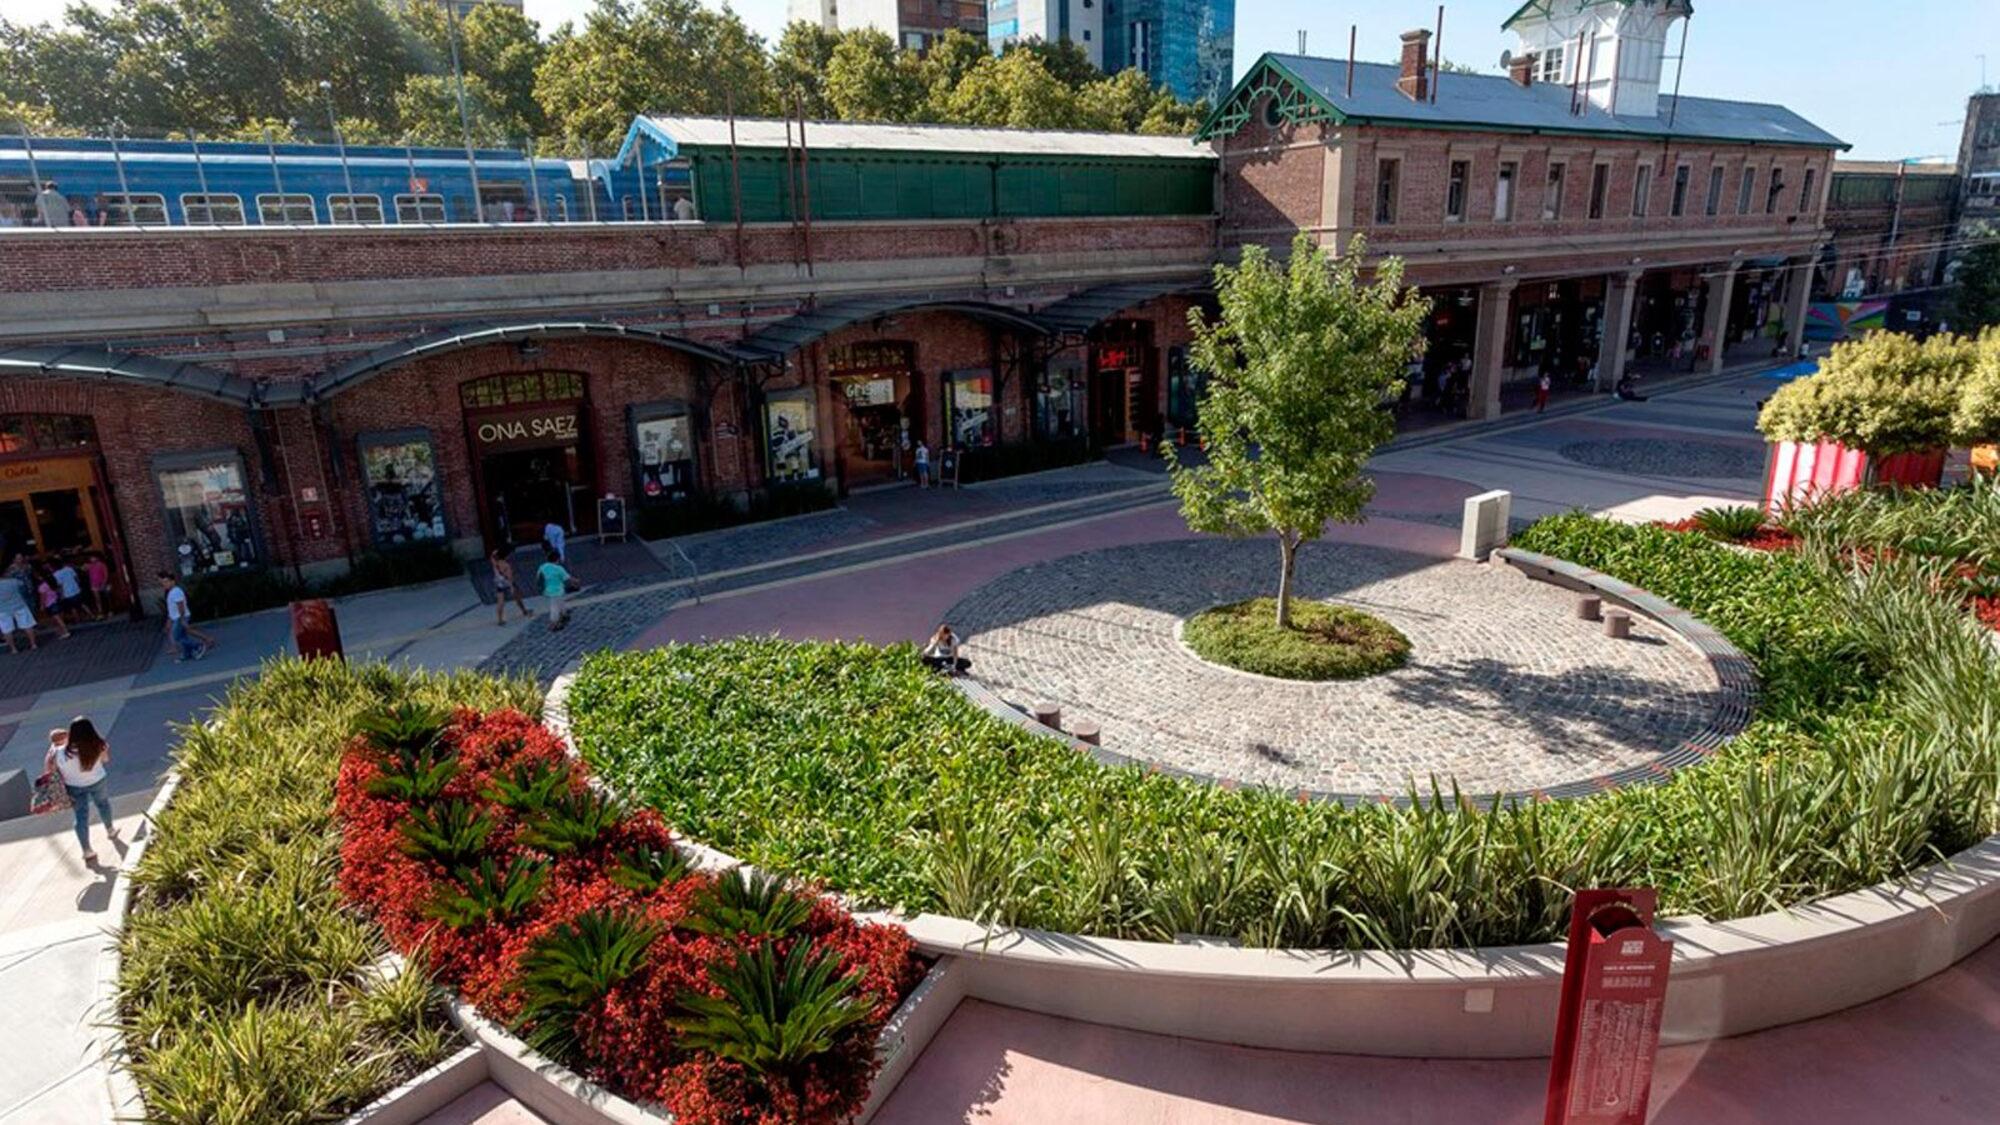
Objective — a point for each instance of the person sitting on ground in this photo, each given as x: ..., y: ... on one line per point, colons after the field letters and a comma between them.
x: 941, y: 654
x: 504, y: 586
x: 556, y: 585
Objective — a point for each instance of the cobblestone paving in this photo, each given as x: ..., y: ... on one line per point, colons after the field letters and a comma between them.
x: 535, y: 651
x: 1505, y: 689
x: 1656, y: 457
x: 760, y: 543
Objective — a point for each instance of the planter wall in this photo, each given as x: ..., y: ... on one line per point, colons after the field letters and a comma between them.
x: 1799, y: 472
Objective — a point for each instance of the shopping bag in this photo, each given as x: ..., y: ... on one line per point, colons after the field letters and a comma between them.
x: 50, y: 794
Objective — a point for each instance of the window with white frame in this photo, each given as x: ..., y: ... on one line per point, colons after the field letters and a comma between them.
x: 1503, y: 191
x: 1458, y: 175
x: 286, y: 210
x: 1774, y: 191
x: 1552, y: 192
x: 1549, y: 66
x: 1388, y: 189
x: 420, y: 209
x: 1744, y: 188
x: 354, y: 208
x: 1806, y: 192
x: 1600, y: 187
x: 134, y: 209
x: 1642, y: 192
x: 1714, y: 204
x: 213, y: 209
x: 1679, y: 207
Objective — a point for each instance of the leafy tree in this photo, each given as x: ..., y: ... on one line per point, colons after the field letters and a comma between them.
x: 952, y: 56
x: 1975, y: 299
x: 1976, y: 420
x: 1301, y: 360
x: 1014, y: 90
x: 869, y: 79
x: 805, y: 51
x: 1116, y: 104
x: 356, y: 45
x: 1065, y: 61
x: 427, y: 112
x: 652, y: 56
x: 1171, y: 117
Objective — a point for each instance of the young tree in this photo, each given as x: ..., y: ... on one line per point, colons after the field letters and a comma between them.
x: 1301, y: 364
x: 799, y: 66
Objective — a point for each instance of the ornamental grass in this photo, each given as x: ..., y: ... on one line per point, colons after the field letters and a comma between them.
x: 1874, y: 751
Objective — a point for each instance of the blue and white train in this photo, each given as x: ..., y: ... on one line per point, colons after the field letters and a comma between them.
x: 130, y: 182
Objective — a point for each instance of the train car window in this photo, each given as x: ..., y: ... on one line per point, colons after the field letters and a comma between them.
x: 212, y: 210
x: 562, y: 209
x: 286, y: 210
x: 505, y: 203
x: 137, y: 209
x: 354, y: 208
x: 420, y: 209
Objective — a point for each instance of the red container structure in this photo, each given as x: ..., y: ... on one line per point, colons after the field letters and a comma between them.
x: 1801, y: 472
x: 1614, y: 992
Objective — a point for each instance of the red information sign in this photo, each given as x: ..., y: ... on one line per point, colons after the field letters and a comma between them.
x: 1608, y: 1030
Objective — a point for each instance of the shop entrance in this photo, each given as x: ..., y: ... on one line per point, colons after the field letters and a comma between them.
x: 54, y: 506
x: 871, y: 380
x: 533, y: 457
x: 1125, y: 390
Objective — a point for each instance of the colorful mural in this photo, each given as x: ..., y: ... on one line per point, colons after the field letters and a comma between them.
x: 1842, y: 320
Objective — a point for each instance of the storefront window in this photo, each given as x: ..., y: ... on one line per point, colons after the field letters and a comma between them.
x: 405, y: 504
x: 663, y: 451
x: 515, y: 390
x: 208, y: 513
x: 788, y: 437
x: 1059, y: 401
x: 968, y: 397
x: 46, y: 433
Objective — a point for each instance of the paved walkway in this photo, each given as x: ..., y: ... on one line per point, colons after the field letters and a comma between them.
x: 1505, y: 689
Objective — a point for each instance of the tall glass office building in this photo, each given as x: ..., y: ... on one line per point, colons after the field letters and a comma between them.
x: 1186, y: 45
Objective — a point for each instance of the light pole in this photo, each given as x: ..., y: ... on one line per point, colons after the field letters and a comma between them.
x: 464, y: 118
x: 346, y: 173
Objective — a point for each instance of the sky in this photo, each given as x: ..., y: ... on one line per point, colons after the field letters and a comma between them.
x: 1889, y: 77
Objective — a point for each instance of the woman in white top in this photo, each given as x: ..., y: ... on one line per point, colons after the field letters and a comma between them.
x: 80, y: 754
x: 942, y: 652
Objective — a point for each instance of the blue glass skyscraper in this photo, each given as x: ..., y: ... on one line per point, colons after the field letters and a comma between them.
x: 1187, y: 46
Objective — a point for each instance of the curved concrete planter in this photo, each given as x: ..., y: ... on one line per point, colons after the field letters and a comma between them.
x: 559, y: 1095
x: 1729, y: 978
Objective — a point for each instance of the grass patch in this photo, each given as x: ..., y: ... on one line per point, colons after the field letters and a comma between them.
x: 1324, y: 642
x: 1874, y: 751
x: 247, y: 991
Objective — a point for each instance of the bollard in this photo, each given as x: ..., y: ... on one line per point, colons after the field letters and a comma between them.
x: 1047, y: 714
x: 315, y: 629
x: 1588, y: 606
x: 1085, y: 731
x: 1617, y: 624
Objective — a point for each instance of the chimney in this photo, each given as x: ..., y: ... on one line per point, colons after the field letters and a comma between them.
x: 1416, y: 79
x: 1521, y: 68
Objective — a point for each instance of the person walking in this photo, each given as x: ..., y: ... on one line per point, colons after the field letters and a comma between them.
x: 179, y: 617
x: 1542, y: 392
x: 552, y: 534
x: 80, y: 755
x: 923, y: 464
x: 556, y: 585
x: 51, y: 599
x: 51, y: 208
x: 69, y: 590
x: 15, y: 616
x: 504, y: 586
x: 941, y: 654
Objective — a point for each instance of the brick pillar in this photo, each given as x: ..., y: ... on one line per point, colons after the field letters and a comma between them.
x: 1796, y: 303
x: 1489, y: 349
x: 1619, y: 291
x: 1715, y: 318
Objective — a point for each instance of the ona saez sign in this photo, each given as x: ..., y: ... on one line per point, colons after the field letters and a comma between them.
x: 523, y: 429
x: 1613, y: 993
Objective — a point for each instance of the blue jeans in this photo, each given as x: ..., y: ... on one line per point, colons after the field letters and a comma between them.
x: 189, y: 647
x: 81, y: 797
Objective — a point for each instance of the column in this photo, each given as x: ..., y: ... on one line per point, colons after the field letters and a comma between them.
x: 1715, y: 318
x: 1619, y: 291
x: 1489, y: 349
x: 1797, y: 301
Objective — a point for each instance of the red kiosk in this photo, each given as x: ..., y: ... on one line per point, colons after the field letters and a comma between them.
x: 1613, y: 992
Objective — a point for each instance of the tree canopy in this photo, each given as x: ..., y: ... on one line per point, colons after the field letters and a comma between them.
x: 224, y: 68
x: 1301, y: 362
x: 1975, y: 297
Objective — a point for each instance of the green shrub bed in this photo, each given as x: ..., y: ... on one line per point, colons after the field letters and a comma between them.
x: 1324, y: 642
x: 247, y: 991
x: 1874, y: 751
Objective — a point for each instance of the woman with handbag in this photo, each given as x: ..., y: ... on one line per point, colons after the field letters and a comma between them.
x: 79, y: 756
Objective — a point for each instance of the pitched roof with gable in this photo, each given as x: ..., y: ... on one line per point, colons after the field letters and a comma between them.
x: 1496, y: 102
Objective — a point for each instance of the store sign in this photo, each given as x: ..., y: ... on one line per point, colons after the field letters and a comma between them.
x: 527, y: 429
x: 1123, y: 355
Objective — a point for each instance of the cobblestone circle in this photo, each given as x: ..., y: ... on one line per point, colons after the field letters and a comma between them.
x: 1505, y: 690
x: 1655, y: 457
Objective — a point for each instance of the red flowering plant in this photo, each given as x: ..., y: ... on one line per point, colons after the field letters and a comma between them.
x: 480, y: 847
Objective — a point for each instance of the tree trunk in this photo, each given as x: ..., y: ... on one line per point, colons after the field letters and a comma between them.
x: 1287, y: 550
